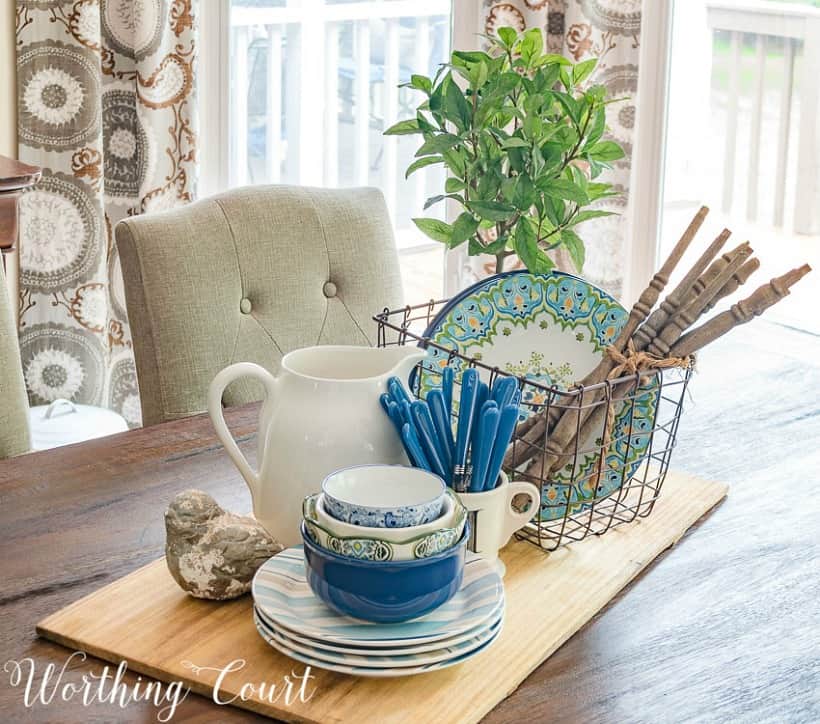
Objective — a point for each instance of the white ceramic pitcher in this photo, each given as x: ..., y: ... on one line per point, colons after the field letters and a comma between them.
x: 321, y: 412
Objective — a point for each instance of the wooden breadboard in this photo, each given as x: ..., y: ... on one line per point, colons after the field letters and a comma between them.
x: 146, y: 620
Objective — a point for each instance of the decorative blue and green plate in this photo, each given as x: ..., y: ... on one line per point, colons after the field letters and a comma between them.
x: 552, y: 329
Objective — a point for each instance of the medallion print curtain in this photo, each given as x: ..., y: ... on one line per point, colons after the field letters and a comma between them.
x: 580, y: 29
x: 106, y: 107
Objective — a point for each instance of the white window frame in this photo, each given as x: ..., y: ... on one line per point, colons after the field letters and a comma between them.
x: 214, y: 83
x: 648, y: 155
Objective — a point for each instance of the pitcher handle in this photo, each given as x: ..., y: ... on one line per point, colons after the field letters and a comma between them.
x: 215, y: 392
x: 516, y: 520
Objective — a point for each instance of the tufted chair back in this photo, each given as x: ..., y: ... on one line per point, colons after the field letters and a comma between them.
x: 14, y: 431
x: 247, y: 276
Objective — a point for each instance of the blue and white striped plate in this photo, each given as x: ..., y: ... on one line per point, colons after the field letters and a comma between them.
x: 282, y: 594
x: 375, y: 659
x: 368, y: 649
x: 379, y: 671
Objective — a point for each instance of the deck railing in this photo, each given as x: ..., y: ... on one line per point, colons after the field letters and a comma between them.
x: 315, y: 84
x: 795, y: 28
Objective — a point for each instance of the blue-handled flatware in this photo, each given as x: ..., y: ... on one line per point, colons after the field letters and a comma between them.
x: 482, y: 395
x: 426, y: 432
x: 503, y: 391
x: 404, y: 409
x: 413, y: 448
x: 506, y: 425
x: 516, y: 398
x: 447, y: 376
x: 435, y: 400
x: 397, y: 391
x: 384, y: 400
x: 395, y: 416
x: 480, y: 411
x: 482, y: 448
x: 466, y: 411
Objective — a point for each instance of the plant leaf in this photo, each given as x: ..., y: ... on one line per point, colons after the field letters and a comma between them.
x: 514, y: 142
x: 524, y: 193
x: 436, y: 229
x: 507, y: 36
x: 563, y: 189
x: 403, y: 128
x: 436, y: 199
x: 494, y: 210
x: 463, y: 228
x: 526, y: 246
x: 582, y: 71
x: 531, y: 45
x: 606, y: 151
x: 575, y: 247
x: 590, y: 214
x: 438, y: 144
x: 455, y: 106
x: 421, y: 163
x: 422, y: 83
x: 554, y: 59
x: 452, y: 184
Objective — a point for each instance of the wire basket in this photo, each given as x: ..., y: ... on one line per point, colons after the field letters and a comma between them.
x: 610, y: 475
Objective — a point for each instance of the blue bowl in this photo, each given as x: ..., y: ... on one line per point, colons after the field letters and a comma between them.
x: 384, y: 591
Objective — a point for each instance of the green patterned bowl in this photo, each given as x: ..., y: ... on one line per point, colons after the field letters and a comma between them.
x: 374, y: 544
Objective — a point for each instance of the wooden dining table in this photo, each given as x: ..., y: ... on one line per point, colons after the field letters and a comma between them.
x: 723, y: 627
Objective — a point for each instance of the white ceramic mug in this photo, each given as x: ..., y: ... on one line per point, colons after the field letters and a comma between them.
x: 493, y: 520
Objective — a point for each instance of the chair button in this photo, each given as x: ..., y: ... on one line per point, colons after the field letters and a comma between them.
x: 245, y: 306
x: 329, y: 290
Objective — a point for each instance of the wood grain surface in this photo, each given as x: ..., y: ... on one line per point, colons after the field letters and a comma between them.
x: 722, y: 628
x: 146, y: 620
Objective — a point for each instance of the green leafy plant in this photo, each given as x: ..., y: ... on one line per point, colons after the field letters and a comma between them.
x: 522, y: 139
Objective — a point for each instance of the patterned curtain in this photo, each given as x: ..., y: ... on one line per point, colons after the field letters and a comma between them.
x: 580, y: 29
x: 106, y: 107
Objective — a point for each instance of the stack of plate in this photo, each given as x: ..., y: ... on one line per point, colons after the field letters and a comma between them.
x: 293, y: 620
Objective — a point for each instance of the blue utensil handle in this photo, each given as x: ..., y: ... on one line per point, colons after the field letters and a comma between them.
x: 503, y: 391
x: 384, y: 401
x: 395, y: 416
x: 474, y: 441
x: 413, y: 448
x: 482, y: 448
x: 506, y: 426
x: 397, y: 391
x: 447, y: 376
x: 435, y: 399
x: 427, y: 435
x: 482, y: 395
x: 404, y: 409
x: 466, y: 408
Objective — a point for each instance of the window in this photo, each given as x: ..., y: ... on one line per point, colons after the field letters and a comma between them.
x: 311, y: 85
x: 743, y: 83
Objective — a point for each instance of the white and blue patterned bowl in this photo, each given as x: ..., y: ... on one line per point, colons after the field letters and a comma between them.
x: 383, y: 496
x: 385, y: 544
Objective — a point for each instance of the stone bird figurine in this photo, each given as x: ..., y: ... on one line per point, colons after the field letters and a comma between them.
x: 210, y: 552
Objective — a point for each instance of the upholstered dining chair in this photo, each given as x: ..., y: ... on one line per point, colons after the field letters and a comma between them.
x: 14, y: 431
x: 249, y: 275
